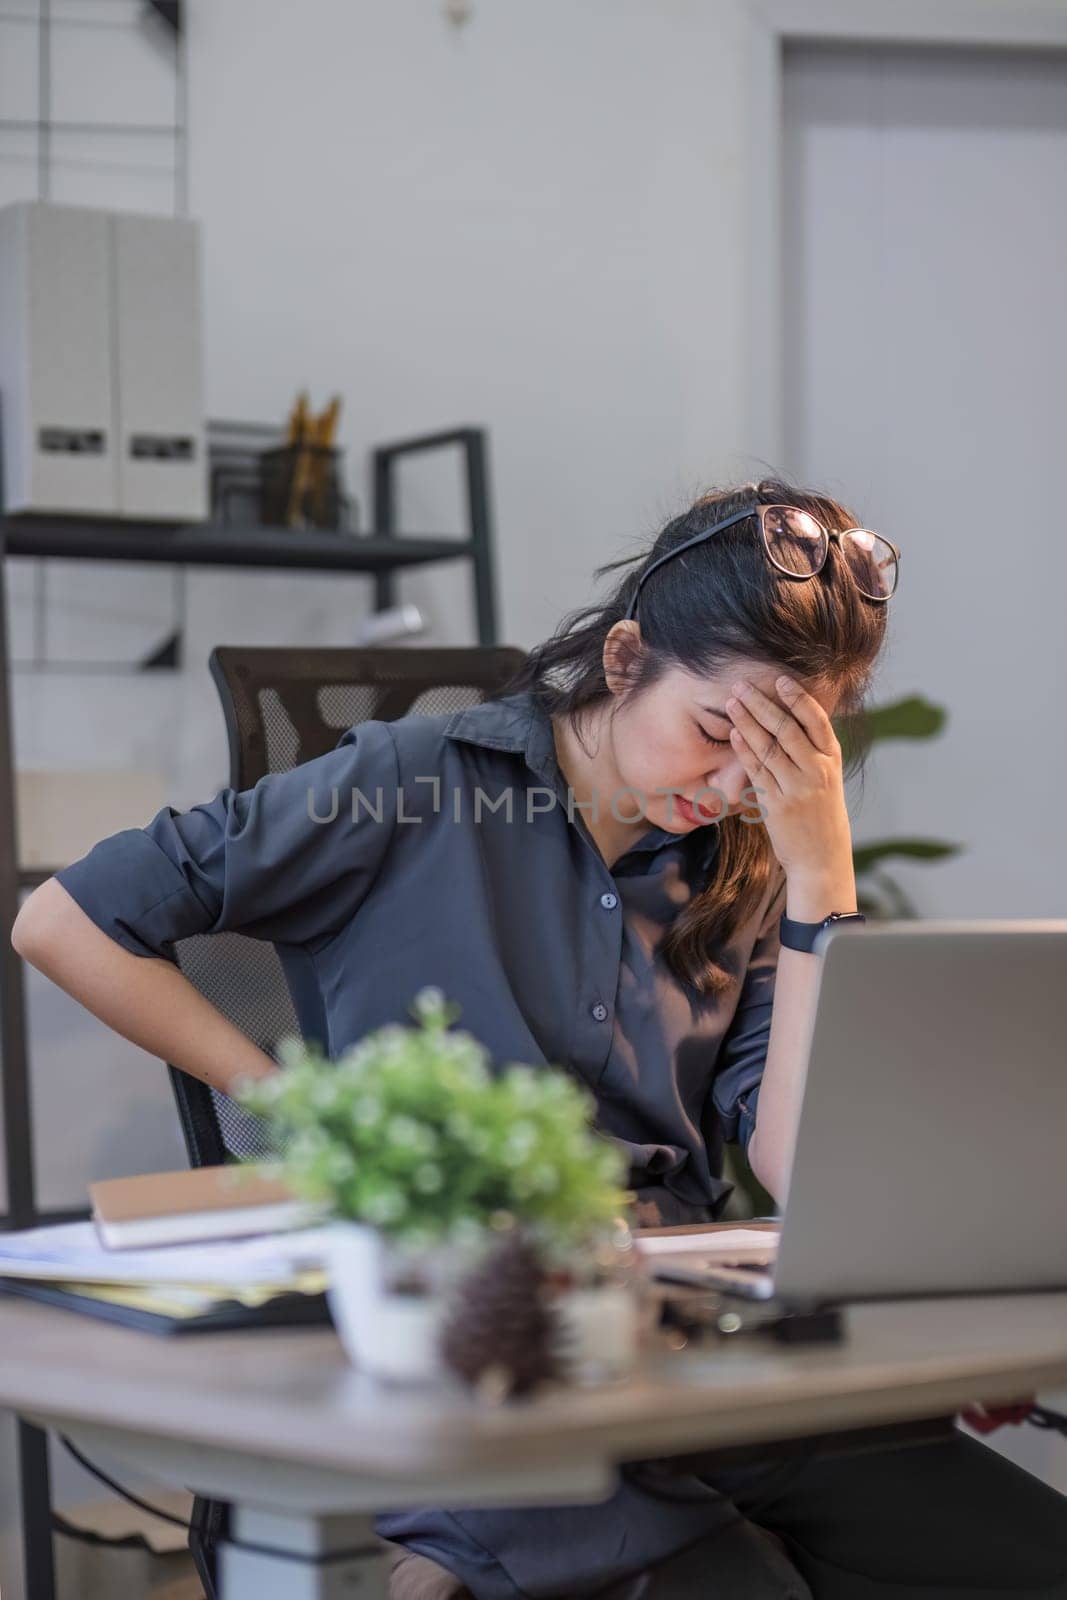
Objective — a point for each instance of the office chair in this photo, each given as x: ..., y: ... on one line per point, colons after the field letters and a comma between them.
x: 285, y: 706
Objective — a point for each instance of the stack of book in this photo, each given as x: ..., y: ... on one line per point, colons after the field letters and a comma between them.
x: 179, y: 1252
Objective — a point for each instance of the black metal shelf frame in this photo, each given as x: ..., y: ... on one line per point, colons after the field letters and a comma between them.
x: 381, y: 554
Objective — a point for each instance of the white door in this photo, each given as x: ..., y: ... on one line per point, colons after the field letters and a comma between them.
x: 926, y: 354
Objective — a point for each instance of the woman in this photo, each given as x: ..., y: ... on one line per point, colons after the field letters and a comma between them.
x: 595, y: 865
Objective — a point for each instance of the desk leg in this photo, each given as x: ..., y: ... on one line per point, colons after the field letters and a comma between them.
x: 36, y: 1494
x: 311, y: 1557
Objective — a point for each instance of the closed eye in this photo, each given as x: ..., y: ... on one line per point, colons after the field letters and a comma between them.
x: 722, y: 743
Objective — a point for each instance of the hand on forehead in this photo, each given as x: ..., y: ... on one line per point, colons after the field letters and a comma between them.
x: 715, y: 691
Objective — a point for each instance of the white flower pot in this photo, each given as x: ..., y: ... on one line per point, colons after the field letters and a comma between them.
x: 389, y: 1336
x: 395, y: 1337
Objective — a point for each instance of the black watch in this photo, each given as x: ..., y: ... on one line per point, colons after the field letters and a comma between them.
x: 801, y: 935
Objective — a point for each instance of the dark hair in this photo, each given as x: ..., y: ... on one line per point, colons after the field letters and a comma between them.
x: 718, y: 602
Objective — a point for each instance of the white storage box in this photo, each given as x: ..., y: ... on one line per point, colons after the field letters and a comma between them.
x: 57, y: 399
x: 101, y: 404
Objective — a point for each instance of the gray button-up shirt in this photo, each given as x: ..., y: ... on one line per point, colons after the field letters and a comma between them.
x: 442, y: 850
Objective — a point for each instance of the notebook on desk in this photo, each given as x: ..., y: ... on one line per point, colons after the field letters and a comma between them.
x: 929, y: 1149
x: 165, y: 1313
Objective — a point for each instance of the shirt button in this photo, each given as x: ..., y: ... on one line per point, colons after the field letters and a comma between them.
x: 600, y: 1011
x: 609, y: 901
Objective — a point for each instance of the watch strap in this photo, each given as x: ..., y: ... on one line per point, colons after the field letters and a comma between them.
x: 795, y: 935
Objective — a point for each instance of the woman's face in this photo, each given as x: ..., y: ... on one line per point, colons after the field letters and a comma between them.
x: 676, y: 736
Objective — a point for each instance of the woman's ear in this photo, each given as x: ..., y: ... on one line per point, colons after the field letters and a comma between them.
x: 622, y: 655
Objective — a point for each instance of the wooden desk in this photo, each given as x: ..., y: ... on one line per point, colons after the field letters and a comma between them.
x: 307, y: 1448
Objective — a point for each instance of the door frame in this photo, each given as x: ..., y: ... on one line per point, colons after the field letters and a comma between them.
x: 772, y: 24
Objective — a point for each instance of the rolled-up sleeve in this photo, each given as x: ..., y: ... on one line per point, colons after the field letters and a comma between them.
x: 289, y: 860
x: 743, y: 1051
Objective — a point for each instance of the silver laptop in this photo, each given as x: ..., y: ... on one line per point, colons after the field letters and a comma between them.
x: 931, y: 1151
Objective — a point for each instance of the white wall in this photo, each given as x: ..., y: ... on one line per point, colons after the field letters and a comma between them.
x: 520, y: 222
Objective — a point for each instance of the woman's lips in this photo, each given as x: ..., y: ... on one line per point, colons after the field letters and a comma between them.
x: 695, y: 814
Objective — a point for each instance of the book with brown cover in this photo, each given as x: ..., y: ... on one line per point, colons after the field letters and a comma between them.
x: 226, y: 1202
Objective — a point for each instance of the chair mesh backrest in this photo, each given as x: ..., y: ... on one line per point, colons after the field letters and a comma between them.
x: 283, y: 707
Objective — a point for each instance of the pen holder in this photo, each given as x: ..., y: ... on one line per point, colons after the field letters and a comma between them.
x: 300, y: 487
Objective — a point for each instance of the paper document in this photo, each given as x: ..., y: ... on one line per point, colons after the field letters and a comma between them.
x: 73, y: 1251
x: 716, y: 1242
x: 181, y: 1301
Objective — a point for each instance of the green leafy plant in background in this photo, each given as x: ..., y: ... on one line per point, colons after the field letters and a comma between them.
x: 879, y: 896
x: 412, y: 1133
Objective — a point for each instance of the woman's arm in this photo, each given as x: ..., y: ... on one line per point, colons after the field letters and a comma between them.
x: 770, y: 1150
x: 287, y: 861
x: 792, y: 756
x: 146, y: 999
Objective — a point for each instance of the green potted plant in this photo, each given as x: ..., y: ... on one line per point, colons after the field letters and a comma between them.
x: 452, y: 1186
x: 912, y: 717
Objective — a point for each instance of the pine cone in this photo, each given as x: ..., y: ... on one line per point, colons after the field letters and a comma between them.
x: 501, y: 1327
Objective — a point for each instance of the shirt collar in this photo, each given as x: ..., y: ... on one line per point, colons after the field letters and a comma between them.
x: 515, y: 722
x: 520, y: 724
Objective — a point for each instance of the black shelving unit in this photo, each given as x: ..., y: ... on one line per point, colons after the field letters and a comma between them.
x: 203, y: 544
x: 381, y: 554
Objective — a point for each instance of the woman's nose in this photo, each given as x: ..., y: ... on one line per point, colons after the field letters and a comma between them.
x: 730, y: 781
